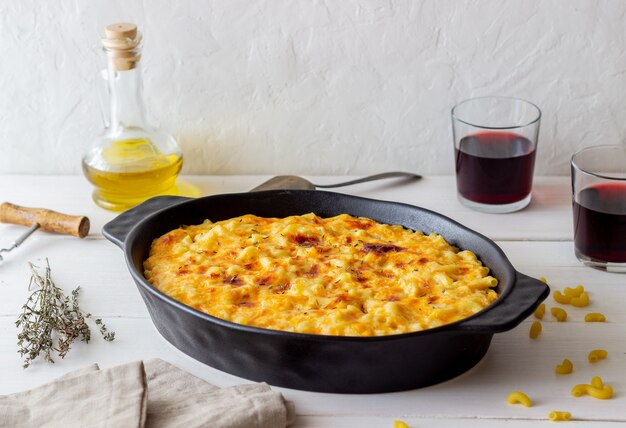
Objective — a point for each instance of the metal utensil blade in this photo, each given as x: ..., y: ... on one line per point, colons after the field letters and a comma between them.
x: 285, y: 182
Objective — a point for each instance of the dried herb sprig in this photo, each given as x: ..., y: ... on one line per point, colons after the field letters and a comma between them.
x: 50, y: 316
x: 106, y: 334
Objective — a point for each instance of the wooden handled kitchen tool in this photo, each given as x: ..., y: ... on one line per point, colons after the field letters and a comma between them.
x: 44, y: 219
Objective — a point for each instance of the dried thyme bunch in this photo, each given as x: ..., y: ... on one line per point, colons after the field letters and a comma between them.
x: 50, y: 316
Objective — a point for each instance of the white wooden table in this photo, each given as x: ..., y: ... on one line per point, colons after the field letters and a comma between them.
x: 537, y: 240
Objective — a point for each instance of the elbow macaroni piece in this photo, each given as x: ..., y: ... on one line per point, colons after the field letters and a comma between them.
x: 543, y: 279
x: 580, y: 301
x: 597, y: 389
x: 518, y: 397
x: 595, y: 317
x: 580, y: 390
x: 559, y: 314
x: 561, y: 298
x: 540, y: 311
x: 572, y: 296
x: 400, y: 424
x: 603, y: 393
x: 535, y: 330
x: 565, y: 367
x: 597, y: 355
x: 596, y: 382
x: 574, y: 292
x: 559, y: 416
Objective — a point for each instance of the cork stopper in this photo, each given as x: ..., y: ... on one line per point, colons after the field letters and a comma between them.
x: 121, y: 31
x: 122, y: 44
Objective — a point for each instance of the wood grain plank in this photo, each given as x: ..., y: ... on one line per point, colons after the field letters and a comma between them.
x: 514, y: 362
x: 95, y: 265
x: 306, y: 421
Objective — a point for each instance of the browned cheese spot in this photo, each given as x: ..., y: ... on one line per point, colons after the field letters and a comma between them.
x: 381, y: 248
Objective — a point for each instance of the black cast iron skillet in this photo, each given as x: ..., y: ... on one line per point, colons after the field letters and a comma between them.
x: 315, y: 362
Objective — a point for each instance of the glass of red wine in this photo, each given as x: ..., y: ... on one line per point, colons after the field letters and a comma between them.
x: 495, y: 141
x: 599, y: 204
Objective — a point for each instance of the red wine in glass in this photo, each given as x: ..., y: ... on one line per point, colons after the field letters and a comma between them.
x: 600, y: 222
x: 495, y: 167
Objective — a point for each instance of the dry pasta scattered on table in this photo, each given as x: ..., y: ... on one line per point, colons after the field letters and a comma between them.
x: 595, y: 317
x: 597, y: 355
x: 559, y: 314
x: 597, y: 389
x: 540, y: 311
x: 575, y: 292
x: 535, y: 330
x: 580, y: 301
x: 561, y: 298
x: 559, y: 416
x: 518, y: 397
x: 565, y: 367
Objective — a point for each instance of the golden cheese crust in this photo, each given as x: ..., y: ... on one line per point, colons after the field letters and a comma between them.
x: 343, y: 275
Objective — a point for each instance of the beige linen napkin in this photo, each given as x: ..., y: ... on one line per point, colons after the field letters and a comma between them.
x: 178, y: 399
x: 153, y: 394
x: 114, y: 397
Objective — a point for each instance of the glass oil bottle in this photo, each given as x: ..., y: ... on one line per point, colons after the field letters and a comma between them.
x: 131, y: 161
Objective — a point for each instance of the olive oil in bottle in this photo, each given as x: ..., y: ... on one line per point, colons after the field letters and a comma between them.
x: 132, y: 161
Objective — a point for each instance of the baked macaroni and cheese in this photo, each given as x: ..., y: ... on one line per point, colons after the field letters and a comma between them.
x: 343, y: 275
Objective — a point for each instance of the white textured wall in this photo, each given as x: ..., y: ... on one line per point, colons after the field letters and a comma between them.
x: 316, y: 87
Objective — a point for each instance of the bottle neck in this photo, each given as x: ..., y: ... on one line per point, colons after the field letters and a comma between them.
x: 127, y: 109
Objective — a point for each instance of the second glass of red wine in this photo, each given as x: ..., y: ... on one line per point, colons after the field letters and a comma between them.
x: 599, y: 204
x: 495, y: 141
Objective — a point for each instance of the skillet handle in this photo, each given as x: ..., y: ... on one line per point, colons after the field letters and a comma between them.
x: 117, y: 229
x: 526, y: 295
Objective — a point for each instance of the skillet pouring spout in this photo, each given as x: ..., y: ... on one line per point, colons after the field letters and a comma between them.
x: 337, y: 364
